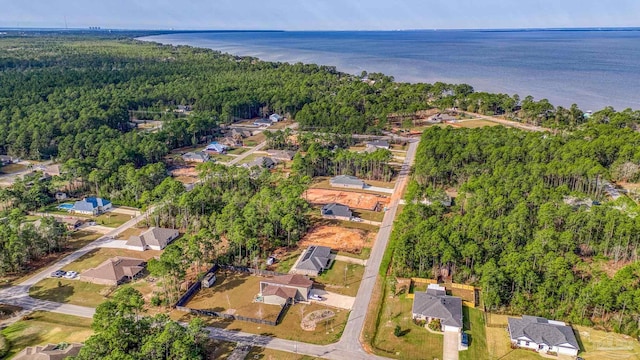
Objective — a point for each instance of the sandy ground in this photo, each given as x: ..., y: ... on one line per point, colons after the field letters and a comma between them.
x: 184, y: 171
x: 337, y: 238
x: 351, y: 199
x: 125, y: 211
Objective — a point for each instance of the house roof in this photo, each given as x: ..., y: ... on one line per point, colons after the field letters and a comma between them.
x: 378, y: 143
x: 336, y: 209
x: 346, y: 180
x: 116, y: 268
x: 90, y: 203
x: 282, y: 154
x: 276, y: 116
x: 434, y: 303
x: 290, y: 280
x: 154, y: 236
x: 315, y: 258
x: 262, y: 161
x: 195, y: 156
x: 542, y: 331
x: 216, y: 146
x: 49, y: 352
x: 283, y: 292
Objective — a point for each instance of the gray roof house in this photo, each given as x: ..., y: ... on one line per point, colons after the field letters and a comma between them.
x: 49, y: 352
x: 378, y: 144
x: 91, y: 205
x: 336, y: 211
x: 282, y: 155
x: 436, y: 304
x: 347, y: 181
x: 275, y: 117
x: 154, y: 238
x: 261, y: 162
x: 542, y: 335
x: 199, y: 156
x: 313, y: 261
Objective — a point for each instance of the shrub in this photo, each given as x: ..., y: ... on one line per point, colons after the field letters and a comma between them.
x: 4, y: 346
x: 397, y: 331
x: 435, y: 325
x: 155, y: 300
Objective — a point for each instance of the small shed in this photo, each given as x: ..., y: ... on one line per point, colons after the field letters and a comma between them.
x: 208, y: 280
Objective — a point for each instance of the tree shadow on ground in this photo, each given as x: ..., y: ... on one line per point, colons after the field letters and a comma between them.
x: 60, y: 293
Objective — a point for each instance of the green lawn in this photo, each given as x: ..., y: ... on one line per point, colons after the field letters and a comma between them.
x: 285, y: 264
x: 111, y: 219
x: 221, y: 157
x: 369, y: 215
x: 237, y: 151
x: 70, y: 292
x: 415, y: 343
x: 474, y: 326
x: 12, y: 168
x: 342, y: 278
x: 44, y: 328
x: 364, y: 254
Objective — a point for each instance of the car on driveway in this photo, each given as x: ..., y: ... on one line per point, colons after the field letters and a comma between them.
x: 70, y: 275
x: 316, y: 297
x: 58, y: 274
x: 465, y: 340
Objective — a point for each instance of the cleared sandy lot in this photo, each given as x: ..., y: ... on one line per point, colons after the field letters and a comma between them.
x: 351, y: 199
x: 338, y: 238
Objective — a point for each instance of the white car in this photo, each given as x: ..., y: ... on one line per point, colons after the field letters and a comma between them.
x: 70, y: 275
x: 316, y: 297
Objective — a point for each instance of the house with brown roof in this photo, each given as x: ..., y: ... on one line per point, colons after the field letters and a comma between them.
x: 283, y: 289
x: 153, y: 239
x: 114, y: 271
x: 49, y: 352
x: 281, y: 155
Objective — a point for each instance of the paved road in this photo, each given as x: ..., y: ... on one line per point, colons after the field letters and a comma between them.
x: 19, y: 295
x: 351, y: 336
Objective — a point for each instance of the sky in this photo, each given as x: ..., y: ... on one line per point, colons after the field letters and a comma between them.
x: 319, y: 14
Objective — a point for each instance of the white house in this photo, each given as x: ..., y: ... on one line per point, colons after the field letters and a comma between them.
x: 275, y: 117
x: 436, y: 304
x: 542, y: 335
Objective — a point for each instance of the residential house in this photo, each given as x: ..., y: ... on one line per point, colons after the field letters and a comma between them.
x: 275, y: 117
x: 436, y: 304
x: 378, y: 144
x: 313, y: 261
x: 263, y: 122
x: 347, y: 181
x: 216, y: 148
x: 542, y: 335
x: 6, y: 160
x: 336, y: 211
x: 231, y: 141
x: 283, y: 289
x: 239, y: 133
x: 261, y: 162
x: 183, y: 109
x: 114, y: 271
x: 49, y: 352
x: 154, y: 238
x: 281, y: 155
x: 199, y: 157
x: 71, y: 223
x: 91, y: 206
x: 439, y: 118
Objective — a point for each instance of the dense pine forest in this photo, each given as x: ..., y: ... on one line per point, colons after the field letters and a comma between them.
x: 531, y: 223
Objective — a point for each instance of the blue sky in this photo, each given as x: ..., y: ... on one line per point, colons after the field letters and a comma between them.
x: 319, y: 14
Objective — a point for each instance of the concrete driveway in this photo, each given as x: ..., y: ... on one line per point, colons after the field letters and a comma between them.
x: 334, y: 300
x: 378, y: 189
x: 450, y: 346
x: 115, y: 244
x: 98, y: 229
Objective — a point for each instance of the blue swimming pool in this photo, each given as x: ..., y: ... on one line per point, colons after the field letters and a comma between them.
x: 66, y: 206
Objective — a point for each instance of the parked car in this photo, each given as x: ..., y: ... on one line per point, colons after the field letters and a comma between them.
x: 316, y: 297
x: 465, y: 339
x: 58, y: 274
x: 70, y: 275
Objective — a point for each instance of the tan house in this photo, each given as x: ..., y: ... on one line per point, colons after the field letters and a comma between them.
x: 49, y: 352
x: 114, y: 271
x: 281, y: 155
x: 283, y: 289
x: 153, y: 239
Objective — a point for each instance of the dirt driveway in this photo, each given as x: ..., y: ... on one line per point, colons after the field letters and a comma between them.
x: 334, y: 300
x: 450, y: 346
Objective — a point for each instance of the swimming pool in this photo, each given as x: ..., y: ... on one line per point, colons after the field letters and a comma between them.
x: 66, y: 206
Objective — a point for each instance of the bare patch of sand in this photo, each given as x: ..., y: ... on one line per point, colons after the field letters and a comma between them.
x: 351, y: 199
x: 338, y: 238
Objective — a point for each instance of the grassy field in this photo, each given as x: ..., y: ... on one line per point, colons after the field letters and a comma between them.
x: 285, y: 264
x: 474, y: 326
x: 237, y: 151
x: 254, y: 140
x: 605, y: 345
x: 221, y: 157
x: 325, y: 333
x: 12, y: 168
x: 471, y: 124
x: 259, y: 353
x: 234, y: 293
x: 111, y: 219
x: 133, y: 231
x: 70, y: 292
x: 415, y: 343
x: 369, y: 215
x: 363, y: 254
x: 342, y: 278
x: 44, y: 328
